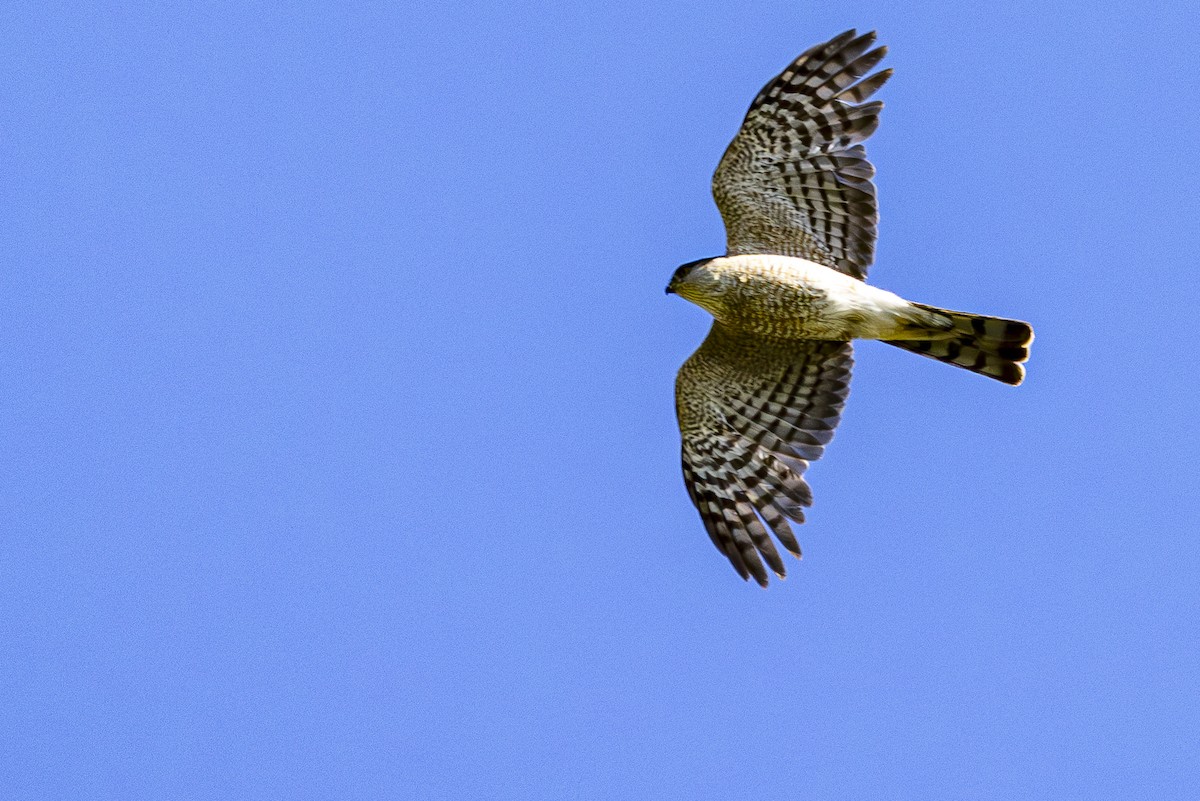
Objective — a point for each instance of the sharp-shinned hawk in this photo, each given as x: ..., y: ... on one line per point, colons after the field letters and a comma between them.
x: 759, y: 400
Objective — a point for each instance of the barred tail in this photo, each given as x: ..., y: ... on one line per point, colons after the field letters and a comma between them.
x: 991, y: 346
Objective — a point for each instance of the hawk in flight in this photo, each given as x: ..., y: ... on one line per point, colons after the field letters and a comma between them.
x: 762, y: 395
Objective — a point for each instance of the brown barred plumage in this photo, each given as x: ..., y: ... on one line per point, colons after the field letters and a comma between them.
x: 761, y: 397
x: 991, y: 346
x: 779, y: 401
x: 795, y: 180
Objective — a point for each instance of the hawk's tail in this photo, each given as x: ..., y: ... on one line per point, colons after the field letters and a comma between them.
x: 991, y: 346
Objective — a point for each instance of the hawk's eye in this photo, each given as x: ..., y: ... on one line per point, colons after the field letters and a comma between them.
x: 682, y: 271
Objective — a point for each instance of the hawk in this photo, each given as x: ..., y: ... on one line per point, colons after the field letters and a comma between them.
x: 760, y: 399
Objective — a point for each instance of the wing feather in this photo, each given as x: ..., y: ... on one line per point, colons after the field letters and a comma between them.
x: 796, y: 179
x: 753, y: 413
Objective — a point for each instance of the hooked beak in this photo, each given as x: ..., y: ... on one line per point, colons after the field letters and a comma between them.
x: 671, y: 288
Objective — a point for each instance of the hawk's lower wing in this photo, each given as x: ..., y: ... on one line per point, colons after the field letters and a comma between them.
x: 753, y: 413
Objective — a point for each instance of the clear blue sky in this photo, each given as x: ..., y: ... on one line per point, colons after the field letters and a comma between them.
x: 339, y: 450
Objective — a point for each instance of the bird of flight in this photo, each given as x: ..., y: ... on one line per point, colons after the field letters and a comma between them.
x: 760, y: 398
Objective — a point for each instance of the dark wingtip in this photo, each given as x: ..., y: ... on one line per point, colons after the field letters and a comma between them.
x: 865, y: 39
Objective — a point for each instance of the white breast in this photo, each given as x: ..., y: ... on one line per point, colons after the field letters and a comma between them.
x: 797, y: 297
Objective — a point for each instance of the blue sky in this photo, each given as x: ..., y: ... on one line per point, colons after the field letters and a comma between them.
x: 340, y: 457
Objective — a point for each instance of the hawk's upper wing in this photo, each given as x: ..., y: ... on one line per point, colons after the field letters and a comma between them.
x: 795, y: 180
x: 753, y: 413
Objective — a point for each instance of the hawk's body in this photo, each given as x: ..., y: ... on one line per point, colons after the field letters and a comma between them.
x: 792, y: 298
x: 761, y: 397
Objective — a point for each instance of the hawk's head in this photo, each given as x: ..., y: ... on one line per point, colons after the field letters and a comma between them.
x: 706, y: 282
x: 690, y: 276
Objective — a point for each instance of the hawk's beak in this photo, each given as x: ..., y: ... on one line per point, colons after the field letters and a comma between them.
x: 669, y: 290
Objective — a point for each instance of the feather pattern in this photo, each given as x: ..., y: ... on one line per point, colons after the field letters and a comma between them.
x: 796, y: 180
x: 761, y: 397
x: 753, y: 413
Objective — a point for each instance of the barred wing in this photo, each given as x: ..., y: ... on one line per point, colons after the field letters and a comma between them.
x: 796, y: 180
x: 753, y: 413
